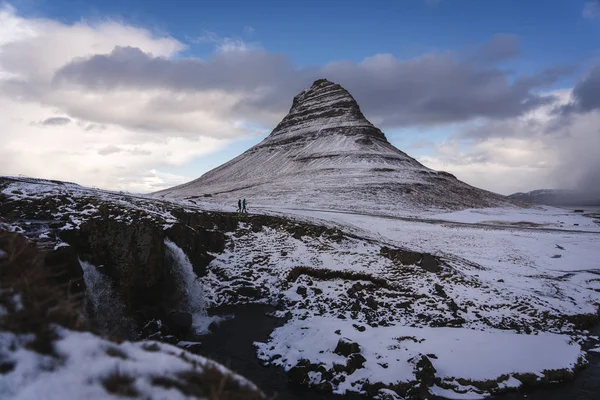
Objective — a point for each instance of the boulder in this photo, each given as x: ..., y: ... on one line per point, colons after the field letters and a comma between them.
x: 298, y: 375
x: 180, y: 322
x: 345, y: 347
x: 301, y: 290
x: 355, y: 361
x: 425, y: 371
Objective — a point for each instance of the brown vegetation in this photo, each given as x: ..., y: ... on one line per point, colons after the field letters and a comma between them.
x: 328, y: 274
x: 32, y: 298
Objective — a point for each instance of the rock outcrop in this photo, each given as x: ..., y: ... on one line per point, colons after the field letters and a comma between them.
x: 326, y: 154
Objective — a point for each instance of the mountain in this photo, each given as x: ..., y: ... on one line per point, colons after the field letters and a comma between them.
x: 558, y: 197
x: 326, y: 154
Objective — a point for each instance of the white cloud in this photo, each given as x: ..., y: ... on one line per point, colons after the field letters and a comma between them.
x: 541, y: 149
x: 89, y: 137
x: 112, y: 105
x: 114, y: 158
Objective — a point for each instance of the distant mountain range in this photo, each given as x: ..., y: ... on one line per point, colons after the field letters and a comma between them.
x: 559, y: 197
x: 326, y: 154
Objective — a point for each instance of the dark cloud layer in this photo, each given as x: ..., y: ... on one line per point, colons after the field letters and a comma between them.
x: 54, y: 121
x: 586, y: 94
x: 432, y: 89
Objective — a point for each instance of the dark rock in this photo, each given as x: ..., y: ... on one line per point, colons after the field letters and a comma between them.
x: 500, y: 280
x: 439, y: 290
x: 556, y: 256
x: 425, y: 372
x: 170, y: 339
x: 132, y: 255
x: 355, y: 361
x: 151, y: 327
x: 405, y: 304
x: 180, y: 321
x: 298, y: 375
x: 301, y: 290
x: 430, y: 263
x: 196, y: 243
x: 345, y: 347
x: 371, y: 302
x: 359, y: 328
x: 66, y: 268
x: 249, y: 291
x: 323, y: 387
x: 426, y: 261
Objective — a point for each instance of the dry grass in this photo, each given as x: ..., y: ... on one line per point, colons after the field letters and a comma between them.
x: 43, y: 302
x: 327, y: 274
x: 209, y: 382
x: 120, y: 384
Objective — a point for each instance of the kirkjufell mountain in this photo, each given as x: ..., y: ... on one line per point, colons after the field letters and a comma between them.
x: 326, y: 154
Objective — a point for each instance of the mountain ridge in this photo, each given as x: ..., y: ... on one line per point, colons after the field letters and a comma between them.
x: 326, y: 153
x: 558, y: 197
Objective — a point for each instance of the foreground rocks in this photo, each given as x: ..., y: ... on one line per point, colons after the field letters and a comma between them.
x: 47, y: 350
x: 308, y: 272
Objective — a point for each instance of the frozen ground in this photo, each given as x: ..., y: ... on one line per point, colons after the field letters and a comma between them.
x: 500, y: 305
x: 86, y: 366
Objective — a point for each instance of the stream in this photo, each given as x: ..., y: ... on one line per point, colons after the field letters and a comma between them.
x: 231, y: 344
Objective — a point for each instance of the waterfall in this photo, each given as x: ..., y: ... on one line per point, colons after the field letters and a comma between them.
x: 103, y: 305
x: 186, y: 281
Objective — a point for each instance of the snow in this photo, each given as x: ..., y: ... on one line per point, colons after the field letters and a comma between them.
x: 498, y: 281
x: 465, y: 353
x: 542, y: 216
x: 595, y: 349
x: 521, y: 259
x: 85, y: 361
x: 326, y: 154
x: 451, y: 394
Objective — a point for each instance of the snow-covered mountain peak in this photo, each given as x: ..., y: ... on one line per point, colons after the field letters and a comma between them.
x: 324, y: 153
x: 326, y: 108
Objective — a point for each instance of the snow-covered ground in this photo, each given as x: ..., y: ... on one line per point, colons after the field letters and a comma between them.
x: 538, y: 217
x: 391, y: 353
x: 86, y: 366
x: 498, y: 310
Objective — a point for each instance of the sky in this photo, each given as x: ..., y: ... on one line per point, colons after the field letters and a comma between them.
x: 141, y: 95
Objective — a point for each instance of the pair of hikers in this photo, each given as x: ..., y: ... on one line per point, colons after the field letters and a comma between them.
x: 242, y: 206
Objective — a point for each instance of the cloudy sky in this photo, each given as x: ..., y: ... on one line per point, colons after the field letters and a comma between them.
x: 140, y: 95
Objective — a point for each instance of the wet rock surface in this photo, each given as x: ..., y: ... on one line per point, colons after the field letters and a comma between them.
x: 232, y: 343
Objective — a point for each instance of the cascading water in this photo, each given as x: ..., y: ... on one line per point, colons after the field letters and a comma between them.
x: 103, y: 305
x: 187, y: 282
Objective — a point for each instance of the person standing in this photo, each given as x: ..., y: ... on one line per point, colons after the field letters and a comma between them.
x: 239, y: 205
x: 244, y: 206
